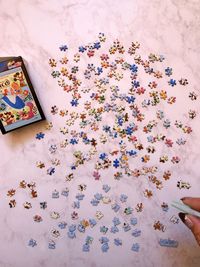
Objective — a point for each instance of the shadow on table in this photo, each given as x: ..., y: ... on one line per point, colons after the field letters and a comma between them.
x: 20, y: 136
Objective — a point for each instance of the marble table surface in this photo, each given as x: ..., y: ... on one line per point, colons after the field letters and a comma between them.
x: 35, y: 29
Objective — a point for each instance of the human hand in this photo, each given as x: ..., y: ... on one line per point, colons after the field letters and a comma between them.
x: 192, y: 222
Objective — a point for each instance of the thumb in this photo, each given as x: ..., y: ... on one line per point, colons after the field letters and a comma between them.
x: 193, y: 223
x: 193, y: 202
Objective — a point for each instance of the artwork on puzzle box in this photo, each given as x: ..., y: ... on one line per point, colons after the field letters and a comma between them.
x: 19, y: 105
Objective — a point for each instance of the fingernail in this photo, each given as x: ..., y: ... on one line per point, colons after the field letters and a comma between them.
x: 186, y: 220
x: 183, y: 198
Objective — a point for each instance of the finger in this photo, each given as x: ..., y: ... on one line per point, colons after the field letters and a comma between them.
x: 193, y: 223
x: 195, y: 227
x: 193, y: 202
